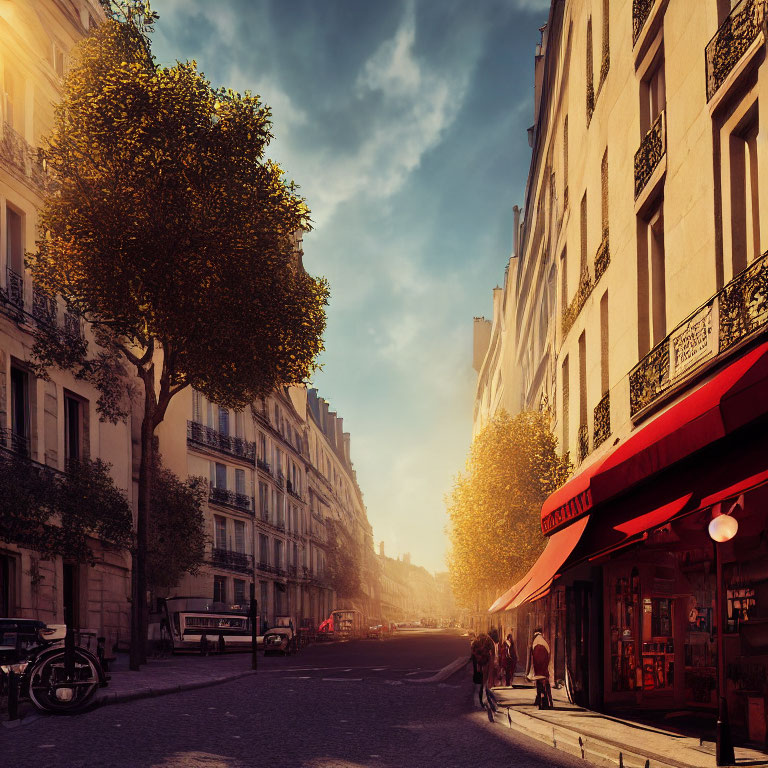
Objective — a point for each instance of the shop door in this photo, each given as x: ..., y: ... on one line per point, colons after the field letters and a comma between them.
x: 7, y: 578
x: 578, y: 600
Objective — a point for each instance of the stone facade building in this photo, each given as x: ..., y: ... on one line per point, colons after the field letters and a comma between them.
x: 634, y: 308
x: 48, y: 421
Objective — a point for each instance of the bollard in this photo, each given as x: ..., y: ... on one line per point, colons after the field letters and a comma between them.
x: 254, y: 611
x: 13, y: 696
x: 222, y: 645
x: 204, y: 644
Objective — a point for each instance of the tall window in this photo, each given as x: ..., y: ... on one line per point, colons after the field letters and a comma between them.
x: 74, y: 422
x: 651, y: 283
x: 590, y: 73
x: 220, y: 532
x: 238, y: 591
x: 239, y: 424
x: 219, y: 589
x: 564, y: 280
x: 263, y: 499
x: 14, y: 240
x: 239, y: 526
x: 745, y: 205
x: 604, y: 193
x: 565, y: 162
x: 197, y: 407
x: 223, y: 421
x: 278, y: 554
x: 19, y: 411
x: 262, y: 446
x: 653, y: 95
x: 582, y: 380
x: 566, y: 399
x: 219, y: 475
x: 263, y: 549
x: 604, y: 345
x: 583, y: 263
x: 240, y: 482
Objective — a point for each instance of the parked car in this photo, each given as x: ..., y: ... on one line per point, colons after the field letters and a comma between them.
x: 281, y: 638
x: 375, y: 632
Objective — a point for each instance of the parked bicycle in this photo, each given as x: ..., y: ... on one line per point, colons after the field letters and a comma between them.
x: 35, y: 664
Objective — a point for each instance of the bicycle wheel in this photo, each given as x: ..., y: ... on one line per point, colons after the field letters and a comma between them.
x: 51, y: 691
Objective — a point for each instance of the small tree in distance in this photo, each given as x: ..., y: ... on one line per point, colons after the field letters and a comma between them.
x: 495, y: 506
x: 168, y: 231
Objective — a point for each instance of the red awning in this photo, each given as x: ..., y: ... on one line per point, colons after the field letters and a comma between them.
x: 653, y: 519
x: 549, y: 564
x: 502, y: 602
x: 736, y: 395
x: 747, y: 484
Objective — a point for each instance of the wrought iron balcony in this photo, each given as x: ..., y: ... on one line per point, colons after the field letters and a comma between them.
x: 583, y: 439
x: 602, y: 258
x: 43, y: 307
x: 199, y: 434
x: 230, y: 499
x: 602, y: 421
x: 280, y: 478
x: 737, y: 312
x: 265, y: 567
x: 15, y: 284
x: 264, y: 466
x: 14, y: 442
x: 231, y: 561
x: 641, y: 10
x: 577, y: 303
x: 731, y: 41
x: 648, y: 156
x: 21, y: 158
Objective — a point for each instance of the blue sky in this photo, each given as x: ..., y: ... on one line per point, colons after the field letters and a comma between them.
x: 404, y: 122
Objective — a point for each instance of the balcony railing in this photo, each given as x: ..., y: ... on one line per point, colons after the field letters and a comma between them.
x: 731, y: 41
x: 648, y: 156
x: 43, y: 307
x: 641, y: 10
x: 199, y: 434
x: 15, y: 284
x: 20, y: 157
x: 232, y: 561
x: 280, y: 479
x: 602, y: 258
x: 264, y: 466
x: 577, y: 303
x: 602, y: 421
x: 738, y: 311
x: 230, y: 499
x: 14, y: 442
x: 583, y: 440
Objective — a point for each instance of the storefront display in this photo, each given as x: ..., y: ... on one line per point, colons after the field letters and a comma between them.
x: 624, y: 616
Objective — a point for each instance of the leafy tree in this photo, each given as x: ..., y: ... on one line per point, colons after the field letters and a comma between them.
x: 342, y: 561
x: 59, y: 513
x: 169, y: 232
x: 177, y: 532
x: 495, y: 506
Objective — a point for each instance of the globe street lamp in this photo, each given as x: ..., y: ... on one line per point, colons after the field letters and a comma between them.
x: 722, y: 528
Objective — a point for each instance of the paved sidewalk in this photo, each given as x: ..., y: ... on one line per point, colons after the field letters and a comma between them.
x: 170, y: 675
x: 605, y: 740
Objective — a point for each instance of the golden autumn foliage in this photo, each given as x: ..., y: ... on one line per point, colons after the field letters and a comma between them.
x: 495, y: 505
x: 168, y: 231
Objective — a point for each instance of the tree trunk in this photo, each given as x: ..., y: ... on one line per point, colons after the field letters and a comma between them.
x: 139, y: 616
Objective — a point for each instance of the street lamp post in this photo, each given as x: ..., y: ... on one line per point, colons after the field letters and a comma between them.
x: 722, y: 528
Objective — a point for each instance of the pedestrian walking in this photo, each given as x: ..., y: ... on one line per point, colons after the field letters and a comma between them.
x: 508, y: 659
x: 538, y: 669
x: 494, y: 672
x: 482, y: 650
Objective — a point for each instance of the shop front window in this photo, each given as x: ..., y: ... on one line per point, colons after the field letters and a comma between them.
x: 658, y: 645
x: 624, y: 617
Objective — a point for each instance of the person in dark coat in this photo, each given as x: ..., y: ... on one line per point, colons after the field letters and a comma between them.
x: 538, y: 669
x: 482, y: 652
x: 508, y: 659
